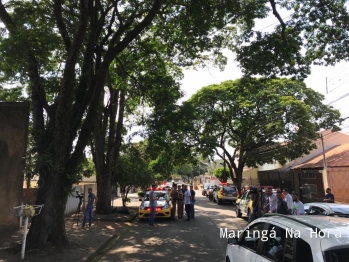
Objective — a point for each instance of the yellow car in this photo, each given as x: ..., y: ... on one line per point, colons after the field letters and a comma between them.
x: 244, y: 206
x: 225, y: 193
x: 163, y: 208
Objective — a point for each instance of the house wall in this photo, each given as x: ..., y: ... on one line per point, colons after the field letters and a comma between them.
x: 339, y: 183
x: 250, y: 177
x: 314, y: 179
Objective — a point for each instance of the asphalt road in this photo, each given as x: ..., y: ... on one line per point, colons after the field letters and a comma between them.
x: 197, y: 240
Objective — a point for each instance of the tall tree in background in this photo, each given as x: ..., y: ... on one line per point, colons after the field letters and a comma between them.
x: 262, y: 120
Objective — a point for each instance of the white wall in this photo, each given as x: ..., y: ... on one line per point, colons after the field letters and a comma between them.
x: 72, y: 202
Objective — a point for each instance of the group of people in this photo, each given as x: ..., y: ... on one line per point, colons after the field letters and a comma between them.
x: 182, y: 198
x: 281, y: 202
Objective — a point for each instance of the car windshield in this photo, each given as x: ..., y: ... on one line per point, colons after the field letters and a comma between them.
x: 337, y: 255
x: 340, y: 210
x: 159, y: 195
x: 229, y: 189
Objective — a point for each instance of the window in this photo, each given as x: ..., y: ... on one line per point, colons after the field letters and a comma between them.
x: 337, y: 255
x: 303, y: 251
x: 159, y: 195
x: 314, y: 210
x: 288, y: 249
x: 252, y: 235
x: 308, y: 176
x: 273, y: 247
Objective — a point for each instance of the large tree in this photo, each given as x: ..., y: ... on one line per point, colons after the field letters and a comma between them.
x: 256, y: 121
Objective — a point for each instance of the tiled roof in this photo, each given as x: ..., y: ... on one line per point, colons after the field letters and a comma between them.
x: 337, y: 156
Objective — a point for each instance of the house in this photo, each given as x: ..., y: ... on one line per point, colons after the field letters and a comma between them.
x: 334, y: 174
x: 294, y: 177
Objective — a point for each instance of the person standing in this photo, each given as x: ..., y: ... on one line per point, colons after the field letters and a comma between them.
x: 282, y: 207
x: 298, y: 206
x: 289, y: 201
x: 256, y: 211
x: 329, y: 197
x: 272, y: 201
x: 92, y: 200
x: 192, y: 192
x: 152, y: 205
x: 187, y: 201
x: 180, y: 203
x: 174, y: 197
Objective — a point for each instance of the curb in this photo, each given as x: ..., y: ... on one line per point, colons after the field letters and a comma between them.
x: 98, y: 252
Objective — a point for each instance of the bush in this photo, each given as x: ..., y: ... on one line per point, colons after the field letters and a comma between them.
x: 141, y: 194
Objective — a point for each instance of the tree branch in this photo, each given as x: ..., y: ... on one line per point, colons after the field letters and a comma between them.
x: 277, y: 15
x: 57, y: 9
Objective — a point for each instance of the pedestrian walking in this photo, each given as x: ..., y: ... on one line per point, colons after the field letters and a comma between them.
x: 192, y: 192
x: 152, y: 205
x: 180, y: 203
x: 187, y: 201
x: 92, y: 200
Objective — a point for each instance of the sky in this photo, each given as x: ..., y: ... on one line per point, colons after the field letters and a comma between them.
x: 337, y: 78
x: 331, y: 81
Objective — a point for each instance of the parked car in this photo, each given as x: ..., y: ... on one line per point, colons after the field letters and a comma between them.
x: 327, y: 209
x: 244, y: 206
x: 163, y: 208
x: 225, y: 193
x: 277, y: 237
x: 204, y: 192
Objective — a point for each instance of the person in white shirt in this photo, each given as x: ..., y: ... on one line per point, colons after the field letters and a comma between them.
x: 272, y: 201
x: 298, y: 206
x: 187, y: 201
x: 289, y: 201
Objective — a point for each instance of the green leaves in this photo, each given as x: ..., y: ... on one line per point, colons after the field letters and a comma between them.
x: 263, y: 120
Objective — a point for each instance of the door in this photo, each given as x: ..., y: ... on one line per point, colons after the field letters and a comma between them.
x: 249, y: 243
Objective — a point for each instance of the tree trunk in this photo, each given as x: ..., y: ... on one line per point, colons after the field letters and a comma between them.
x: 49, y: 226
x: 104, y: 193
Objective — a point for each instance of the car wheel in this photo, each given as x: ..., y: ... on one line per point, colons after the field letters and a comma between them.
x: 219, y: 202
x: 237, y: 211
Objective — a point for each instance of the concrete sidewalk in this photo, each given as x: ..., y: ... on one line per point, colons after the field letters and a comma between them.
x: 85, y: 244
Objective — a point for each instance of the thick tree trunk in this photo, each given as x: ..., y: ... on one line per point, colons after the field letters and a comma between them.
x: 104, y: 193
x: 49, y: 226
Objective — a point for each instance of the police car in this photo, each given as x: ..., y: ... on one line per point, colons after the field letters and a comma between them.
x: 163, y: 208
x: 277, y: 237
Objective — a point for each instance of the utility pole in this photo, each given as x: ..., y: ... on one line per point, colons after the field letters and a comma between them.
x: 325, y: 177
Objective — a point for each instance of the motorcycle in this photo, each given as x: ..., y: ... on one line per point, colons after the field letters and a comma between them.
x: 210, y: 192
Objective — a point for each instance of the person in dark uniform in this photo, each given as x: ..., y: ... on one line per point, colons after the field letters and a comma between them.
x: 174, y: 198
x: 180, y: 203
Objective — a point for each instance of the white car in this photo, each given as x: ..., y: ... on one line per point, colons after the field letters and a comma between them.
x: 278, y: 237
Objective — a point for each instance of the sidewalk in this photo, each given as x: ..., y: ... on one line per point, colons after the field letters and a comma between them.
x: 85, y: 244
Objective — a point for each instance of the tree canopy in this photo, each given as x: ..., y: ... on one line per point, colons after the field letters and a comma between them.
x: 257, y: 120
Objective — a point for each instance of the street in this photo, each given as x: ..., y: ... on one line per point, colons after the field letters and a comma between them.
x: 195, y: 240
